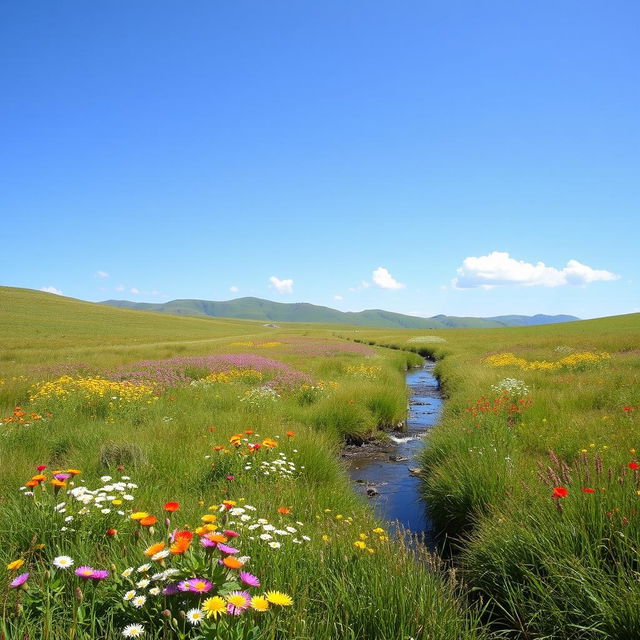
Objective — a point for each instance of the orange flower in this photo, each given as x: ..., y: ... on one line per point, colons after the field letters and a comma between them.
x: 183, y: 535
x: 216, y: 537
x: 171, y: 506
x: 179, y: 546
x: 39, y: 478
x: 232, y: 563
x: 290, y: 434
x: 58, y: 483
x: 74, y: 472
x: 32, y: 483
x: 218, y: 447
x: 229, y: 503
x: 153, y: 549
x: 148, y: 521
x: 249, y: 431
x: 284, y: 510
x: 268, y: 442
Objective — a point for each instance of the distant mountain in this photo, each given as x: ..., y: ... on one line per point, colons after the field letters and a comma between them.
x: 268, y: 311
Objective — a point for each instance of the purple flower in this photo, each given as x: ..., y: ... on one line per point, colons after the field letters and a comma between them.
x: 100, y: 574
x: 208, y: 544
x: 249, y: 578
x: 85, y: 571
x: 226, y: 549
x: 170, y: 589
x: 62, y: 476
x: 20, y: 580
x: 183, y: 585
x: 199, y: 585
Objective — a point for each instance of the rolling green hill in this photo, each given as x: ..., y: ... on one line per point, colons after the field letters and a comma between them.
x: 268, y: 311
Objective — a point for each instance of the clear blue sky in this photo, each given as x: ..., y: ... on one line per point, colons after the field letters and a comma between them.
x: 484, y: 154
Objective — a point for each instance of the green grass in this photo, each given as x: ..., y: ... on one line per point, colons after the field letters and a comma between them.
x: 168, y: 448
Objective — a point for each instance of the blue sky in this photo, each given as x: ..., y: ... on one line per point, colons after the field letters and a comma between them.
x: 466, y: 157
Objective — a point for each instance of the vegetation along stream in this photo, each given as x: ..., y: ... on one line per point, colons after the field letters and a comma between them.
x: 389, y: 474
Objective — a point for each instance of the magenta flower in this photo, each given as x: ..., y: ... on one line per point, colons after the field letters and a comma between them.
x: 20, y: 580
x: 183, y: 585
x: 199, y: 585
x: 230, y: 534
x: 85, y: 571
x: 208, y: 544
x: 226, y: 549
x: 62, y: 476
x: 249, y: 578
x: 230, y: 477
x: 100, y: 574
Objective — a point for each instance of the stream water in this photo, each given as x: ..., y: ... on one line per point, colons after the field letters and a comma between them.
x: 384, y: 473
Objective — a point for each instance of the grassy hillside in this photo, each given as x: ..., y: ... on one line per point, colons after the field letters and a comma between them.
x: 268, y: 311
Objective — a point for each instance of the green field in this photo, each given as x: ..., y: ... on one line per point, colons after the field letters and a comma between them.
x: 178, y: 404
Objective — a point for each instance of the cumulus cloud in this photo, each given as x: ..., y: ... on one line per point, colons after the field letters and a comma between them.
x: 281, y: 286
x: 383, y: 279
x: 234, y: 289
x: 52, y: 290
x: 500, y: 269
x: 102, y: 274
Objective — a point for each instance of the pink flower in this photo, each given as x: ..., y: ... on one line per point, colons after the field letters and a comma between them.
x: 230, y: 534
x: 249, y: 578
x: 226, y: 549
x: 20, y: 580
x: 100, y: 574
x: 85, y: 571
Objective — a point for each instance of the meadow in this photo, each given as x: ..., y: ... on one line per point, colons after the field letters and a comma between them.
x: 167, y: 477
x: 174, y: 477
x: 532, y: 475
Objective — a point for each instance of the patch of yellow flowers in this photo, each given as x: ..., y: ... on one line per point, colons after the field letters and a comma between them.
x: 574, y: 361
x: 235, y: 375
x: 363, y: 371
x: 249, y: 343
x: 92, y: 388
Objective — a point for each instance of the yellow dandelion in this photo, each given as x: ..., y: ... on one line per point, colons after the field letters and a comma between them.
x: 281, y: 599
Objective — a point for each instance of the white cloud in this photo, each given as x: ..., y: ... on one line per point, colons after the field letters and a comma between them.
x: 120, y: 287
x: 338, y: 298
x: 383, y: 279
x: 281, y: 286
x: 102, y: 274
x: 134, y: 290
x: 52, y: 290
x: 500, y: 269
x: 234, y: 289
x: 363, y: 285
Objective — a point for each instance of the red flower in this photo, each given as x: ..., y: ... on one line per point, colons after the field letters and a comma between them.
x: 587, y: 490
x: 560, y: 492
x: 111, y: 532
x: 41, y: 467
x: 634, y: 465
x: 171, y: 506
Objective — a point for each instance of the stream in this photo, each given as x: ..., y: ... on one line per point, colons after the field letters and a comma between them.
x: 383, y: 472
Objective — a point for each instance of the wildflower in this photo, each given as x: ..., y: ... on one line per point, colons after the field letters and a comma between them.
x: 213, y: 607
x: 139, y: 601
x: 194, y: 616
x: 16, y: 564
x: 633, y: 465
x: 133, y: 631
x: 227, y: 549
x: 84, y: 571
x: 143, y: 568
x: 199, y: 585
x: 19, y: 581
x: 275, y: 545
x: 130, y: 595
x: 161, y: 555
x: 154, y: 591
x: 62, y: 562
x: 560, y: 492
x: 232, y: 563
x: 41, y: 467
x: 378, y: 530
x: 148, y: 521
x: 249, y: 579
x: 281, y: 599
x: 153, y: 549
x: 141, y: 584
x: 127, y: 572
x: 170, y: 507
x: 138, y: 515
x: 359, y: 544
x: 238, y: 602
x: 587, y: 490
x: 112, y: 533
x: 284, y: 510
x: 259, y: 603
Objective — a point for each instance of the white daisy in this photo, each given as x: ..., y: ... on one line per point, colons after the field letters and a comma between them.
x: 194, y: 616
x: 161, y: 554
x: 127, y: 572
x: 63, y: 562
x: 154, y: 591
x: 143, y: 568
x: 130, y: 595
x: 275, y: 545
x: 138, y: 601
x: 143, y: 583
x: 133, y: 631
